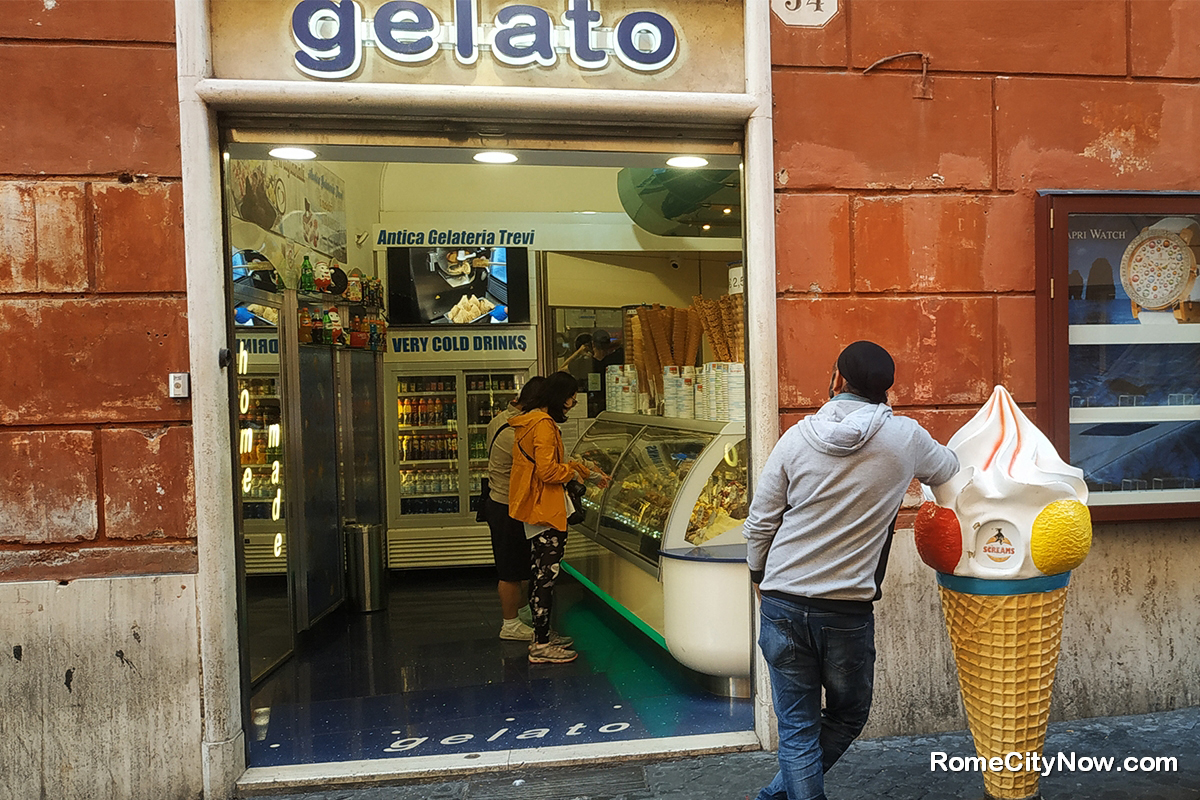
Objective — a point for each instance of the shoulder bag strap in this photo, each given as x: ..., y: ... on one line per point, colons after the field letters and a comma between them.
x: 496, y: 434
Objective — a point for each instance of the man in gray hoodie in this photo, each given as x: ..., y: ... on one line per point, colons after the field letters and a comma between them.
x: 818, y: 535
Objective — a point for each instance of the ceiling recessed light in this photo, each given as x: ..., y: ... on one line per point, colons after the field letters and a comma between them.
x: 727, y: 211
x: 495, y: 157
x: 586, y: 212
x: 706, y: 227
x: 687, y: 161
x: 293, y: 153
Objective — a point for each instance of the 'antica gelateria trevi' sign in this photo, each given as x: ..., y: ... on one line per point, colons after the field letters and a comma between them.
x: 332, y: 36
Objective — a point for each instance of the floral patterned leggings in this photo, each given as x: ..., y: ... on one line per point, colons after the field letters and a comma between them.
x: 547, y: 549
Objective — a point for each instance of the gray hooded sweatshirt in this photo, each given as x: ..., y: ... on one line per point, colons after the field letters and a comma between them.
x: 819, y: 524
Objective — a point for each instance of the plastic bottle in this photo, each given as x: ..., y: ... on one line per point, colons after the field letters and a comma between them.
x: 307, y: 279
x: 318, y: 328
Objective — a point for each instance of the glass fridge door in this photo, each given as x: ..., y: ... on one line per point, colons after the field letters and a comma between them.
x: 260, y: 456
x: 488, y: 393
x: 428, y: 463
x: 261, y: 492
x: 634, y: 514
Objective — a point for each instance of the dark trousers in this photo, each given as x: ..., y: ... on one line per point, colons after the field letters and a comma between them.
x: 547, y: 548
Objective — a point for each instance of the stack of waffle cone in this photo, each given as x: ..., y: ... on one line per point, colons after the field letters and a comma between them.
x: 1006, y: 648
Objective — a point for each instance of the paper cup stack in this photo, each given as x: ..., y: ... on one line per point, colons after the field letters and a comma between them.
x: 621, y: 388
x: 702, y: 395
x: 735, y: 388
x: 679, y: 392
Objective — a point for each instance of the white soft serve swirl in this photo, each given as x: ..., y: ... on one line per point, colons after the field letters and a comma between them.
x: 1008, y: 472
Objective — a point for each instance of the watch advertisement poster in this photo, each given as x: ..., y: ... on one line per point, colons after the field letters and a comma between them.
x: 1134, y: 355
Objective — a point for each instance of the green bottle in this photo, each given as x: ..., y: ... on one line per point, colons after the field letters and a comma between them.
x: 307, y: 282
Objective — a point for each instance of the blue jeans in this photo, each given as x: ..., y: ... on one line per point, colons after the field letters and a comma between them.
x: 807, y: 650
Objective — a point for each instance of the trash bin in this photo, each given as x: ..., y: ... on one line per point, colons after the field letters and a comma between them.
x: 366, y: 567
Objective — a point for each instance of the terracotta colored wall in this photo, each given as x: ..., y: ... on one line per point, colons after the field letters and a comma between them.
x: 95, y: 459
x: 910, y: 220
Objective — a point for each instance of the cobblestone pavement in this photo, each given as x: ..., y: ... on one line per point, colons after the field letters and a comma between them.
x: 894, y: 768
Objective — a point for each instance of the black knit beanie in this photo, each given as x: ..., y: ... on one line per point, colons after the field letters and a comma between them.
x: 868, y: 368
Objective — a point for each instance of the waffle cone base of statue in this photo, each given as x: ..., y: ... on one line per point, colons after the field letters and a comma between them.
x: 1006, y: 648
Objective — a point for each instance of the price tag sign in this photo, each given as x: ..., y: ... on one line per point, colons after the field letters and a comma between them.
x: 805, y: 13
x: 737, y: 280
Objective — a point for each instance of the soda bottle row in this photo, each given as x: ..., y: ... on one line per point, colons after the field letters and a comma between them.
x: 372, y: 292
x: 258, y: 446
x: 428, y: 482
x: 428, y: 447
x: 425, y: 383
x: 321, y: 326
x: 480, y: 383
x: 260, y: 416
x: 478, y: 445
x: 264, y: 509
x: 258, y: 387
x: 427, y: 411
x: 481, y: 412
x: 428, y: 505
x: 260, y: 486
x: 368, y: 333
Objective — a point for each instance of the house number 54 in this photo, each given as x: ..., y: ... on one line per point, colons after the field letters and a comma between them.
x: 805, y: 13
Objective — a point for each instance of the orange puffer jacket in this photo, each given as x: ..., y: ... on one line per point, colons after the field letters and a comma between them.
x: 539, y: 472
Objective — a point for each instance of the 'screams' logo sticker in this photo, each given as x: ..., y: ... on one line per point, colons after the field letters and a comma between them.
x: 998, y: 548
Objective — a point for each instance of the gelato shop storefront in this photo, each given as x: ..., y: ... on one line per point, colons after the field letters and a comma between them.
x: 422, y: 208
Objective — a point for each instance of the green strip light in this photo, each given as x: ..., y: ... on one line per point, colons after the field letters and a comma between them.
x: 615, y: 606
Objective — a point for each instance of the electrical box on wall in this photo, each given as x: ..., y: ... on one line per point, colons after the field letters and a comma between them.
x: 177, y: 384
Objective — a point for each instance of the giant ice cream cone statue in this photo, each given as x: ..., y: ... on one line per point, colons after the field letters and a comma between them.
x: 1003, y: 535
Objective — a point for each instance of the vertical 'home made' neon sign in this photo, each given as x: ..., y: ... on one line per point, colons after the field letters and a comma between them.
x: 332, y: 35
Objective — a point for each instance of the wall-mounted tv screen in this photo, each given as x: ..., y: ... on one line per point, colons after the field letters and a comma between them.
x: 449, y: 286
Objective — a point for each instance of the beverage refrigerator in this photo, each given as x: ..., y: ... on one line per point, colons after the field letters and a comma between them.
x: 307, y: 429
x: 437, y: 421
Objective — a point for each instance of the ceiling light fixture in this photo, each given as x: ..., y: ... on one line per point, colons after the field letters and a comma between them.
x: 727, y: 211
x: 706, y: 227
x: 293, y: 153
x: 687, y: 162
x: 494, y: 157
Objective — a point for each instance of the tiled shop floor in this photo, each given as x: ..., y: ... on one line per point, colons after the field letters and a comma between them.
x: 429, y: 675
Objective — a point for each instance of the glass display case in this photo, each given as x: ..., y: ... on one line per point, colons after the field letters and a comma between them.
x: 659, y: 483
x: 663, y: 539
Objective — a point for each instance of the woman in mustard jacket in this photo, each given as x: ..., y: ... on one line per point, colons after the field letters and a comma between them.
x: 537, y: 497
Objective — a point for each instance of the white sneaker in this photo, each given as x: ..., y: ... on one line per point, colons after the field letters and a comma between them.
x: 550, y: 654
x: 515, y: 630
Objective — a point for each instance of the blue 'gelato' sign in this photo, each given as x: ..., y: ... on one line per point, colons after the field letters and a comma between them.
x: 331, y: 36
